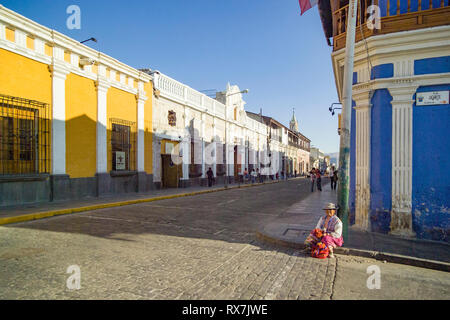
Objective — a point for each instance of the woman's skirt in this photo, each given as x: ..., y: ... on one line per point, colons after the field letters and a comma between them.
x: 333, y: 242
x: 316, y: 236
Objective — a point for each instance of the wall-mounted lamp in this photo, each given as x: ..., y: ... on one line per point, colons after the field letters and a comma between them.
x: 90, y: 39
x: 331, y: 109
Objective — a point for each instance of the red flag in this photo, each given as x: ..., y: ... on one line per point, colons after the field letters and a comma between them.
x: 306, y: 5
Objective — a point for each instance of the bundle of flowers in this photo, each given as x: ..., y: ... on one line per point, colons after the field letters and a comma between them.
x: 317, y: 233
x: 314, y: 236
x: 320, y: 250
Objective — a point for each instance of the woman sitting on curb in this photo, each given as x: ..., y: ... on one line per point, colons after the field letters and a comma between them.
x: 328, y: 231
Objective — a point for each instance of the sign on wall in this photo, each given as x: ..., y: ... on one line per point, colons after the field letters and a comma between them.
x: 172, y: 118
x: 432, y: 98
x: 169, y: 148
x: 120, y: 160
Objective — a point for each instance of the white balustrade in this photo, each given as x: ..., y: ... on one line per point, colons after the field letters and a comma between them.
x: 208, y: 104
x: 174, y: 89
x: 194, y: 97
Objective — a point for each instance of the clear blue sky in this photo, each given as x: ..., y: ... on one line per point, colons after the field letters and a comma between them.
x: 262, y: 45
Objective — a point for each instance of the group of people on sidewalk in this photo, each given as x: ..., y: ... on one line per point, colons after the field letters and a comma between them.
x: 333, y: 177
x: 253, y: 176
x: 316, y: 178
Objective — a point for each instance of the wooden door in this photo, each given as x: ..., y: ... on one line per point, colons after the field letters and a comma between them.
x: 171, y: 172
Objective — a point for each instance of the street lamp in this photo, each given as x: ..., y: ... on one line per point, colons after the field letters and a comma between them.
x: 90, y: 39
x: 226, y: 140
x: 331, y: 109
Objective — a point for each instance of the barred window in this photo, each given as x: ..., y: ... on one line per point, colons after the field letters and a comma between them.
x: 24, y: 136
x: 123, y: 145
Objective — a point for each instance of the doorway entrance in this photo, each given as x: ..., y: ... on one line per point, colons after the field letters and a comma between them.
x: 171, y: 172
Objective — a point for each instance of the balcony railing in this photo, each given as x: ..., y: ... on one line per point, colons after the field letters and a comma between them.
x: 396, y: 15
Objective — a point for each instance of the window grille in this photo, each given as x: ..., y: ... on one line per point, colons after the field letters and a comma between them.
x: 24, y: 136
x: 123, y: 145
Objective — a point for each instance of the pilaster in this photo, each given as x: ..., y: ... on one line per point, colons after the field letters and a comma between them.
x: 363, y: 119
x: 2, y: 31
x: 202, y: 135
x: 214, y: 167
x: 58, y: 147
x: 401, y: 214
x: 141, y: 98
x: 186, y: 146
x: 102, y: 87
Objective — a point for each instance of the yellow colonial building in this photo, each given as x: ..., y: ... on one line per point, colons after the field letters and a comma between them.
x: 74, y: 122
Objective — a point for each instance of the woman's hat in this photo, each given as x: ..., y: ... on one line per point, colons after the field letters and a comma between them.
x: 330, y: 206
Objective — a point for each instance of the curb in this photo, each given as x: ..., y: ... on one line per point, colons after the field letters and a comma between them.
x: 48, y: 214
x: 382, y: 256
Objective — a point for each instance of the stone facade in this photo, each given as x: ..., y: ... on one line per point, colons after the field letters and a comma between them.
x: 207, y: 133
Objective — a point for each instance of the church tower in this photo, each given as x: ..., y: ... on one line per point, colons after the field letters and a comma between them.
x: 293, y: 125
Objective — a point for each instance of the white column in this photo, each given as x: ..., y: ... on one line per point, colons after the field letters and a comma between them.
x: 230, y: 150
x: 58, y: 53
x: 202, y: 136
x: 227, y: 138
x: 21, y: 38
x: 362, y: 198
x: 141, y: 98
x: 186, y: 147
x: 214, y: 167
x: 58, y: 147
x: 156, y: 81
x: 39, y: 46
x: 242, y: 155
x: 2, y: 31
x: 102, y: 155
x: 401, y: 215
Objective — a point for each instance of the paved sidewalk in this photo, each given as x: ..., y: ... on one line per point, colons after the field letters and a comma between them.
x: 293, y: 226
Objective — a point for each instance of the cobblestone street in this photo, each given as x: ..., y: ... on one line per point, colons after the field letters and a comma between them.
x: 199, y: 247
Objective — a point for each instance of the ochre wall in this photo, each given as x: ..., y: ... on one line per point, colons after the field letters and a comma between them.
x: 120, y: 105
x: 24, y: 78
x: 148, y: 128
x: 81, y: 118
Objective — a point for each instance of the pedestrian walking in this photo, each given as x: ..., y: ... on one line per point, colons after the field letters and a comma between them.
x: 334, y: 178
x: 312, y: 175
x: 254, y: 175
x: 318, y: 180
x: 245, y: 175
x: 259, y: 175
x: 331, y: 175
x: 210, y: 175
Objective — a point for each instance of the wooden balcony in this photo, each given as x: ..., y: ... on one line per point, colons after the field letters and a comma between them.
x: 396, y: 15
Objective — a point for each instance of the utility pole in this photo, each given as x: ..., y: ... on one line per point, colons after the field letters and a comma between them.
x: 344, y: 149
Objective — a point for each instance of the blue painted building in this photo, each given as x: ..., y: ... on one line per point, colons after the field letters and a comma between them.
x: 400, y: 120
